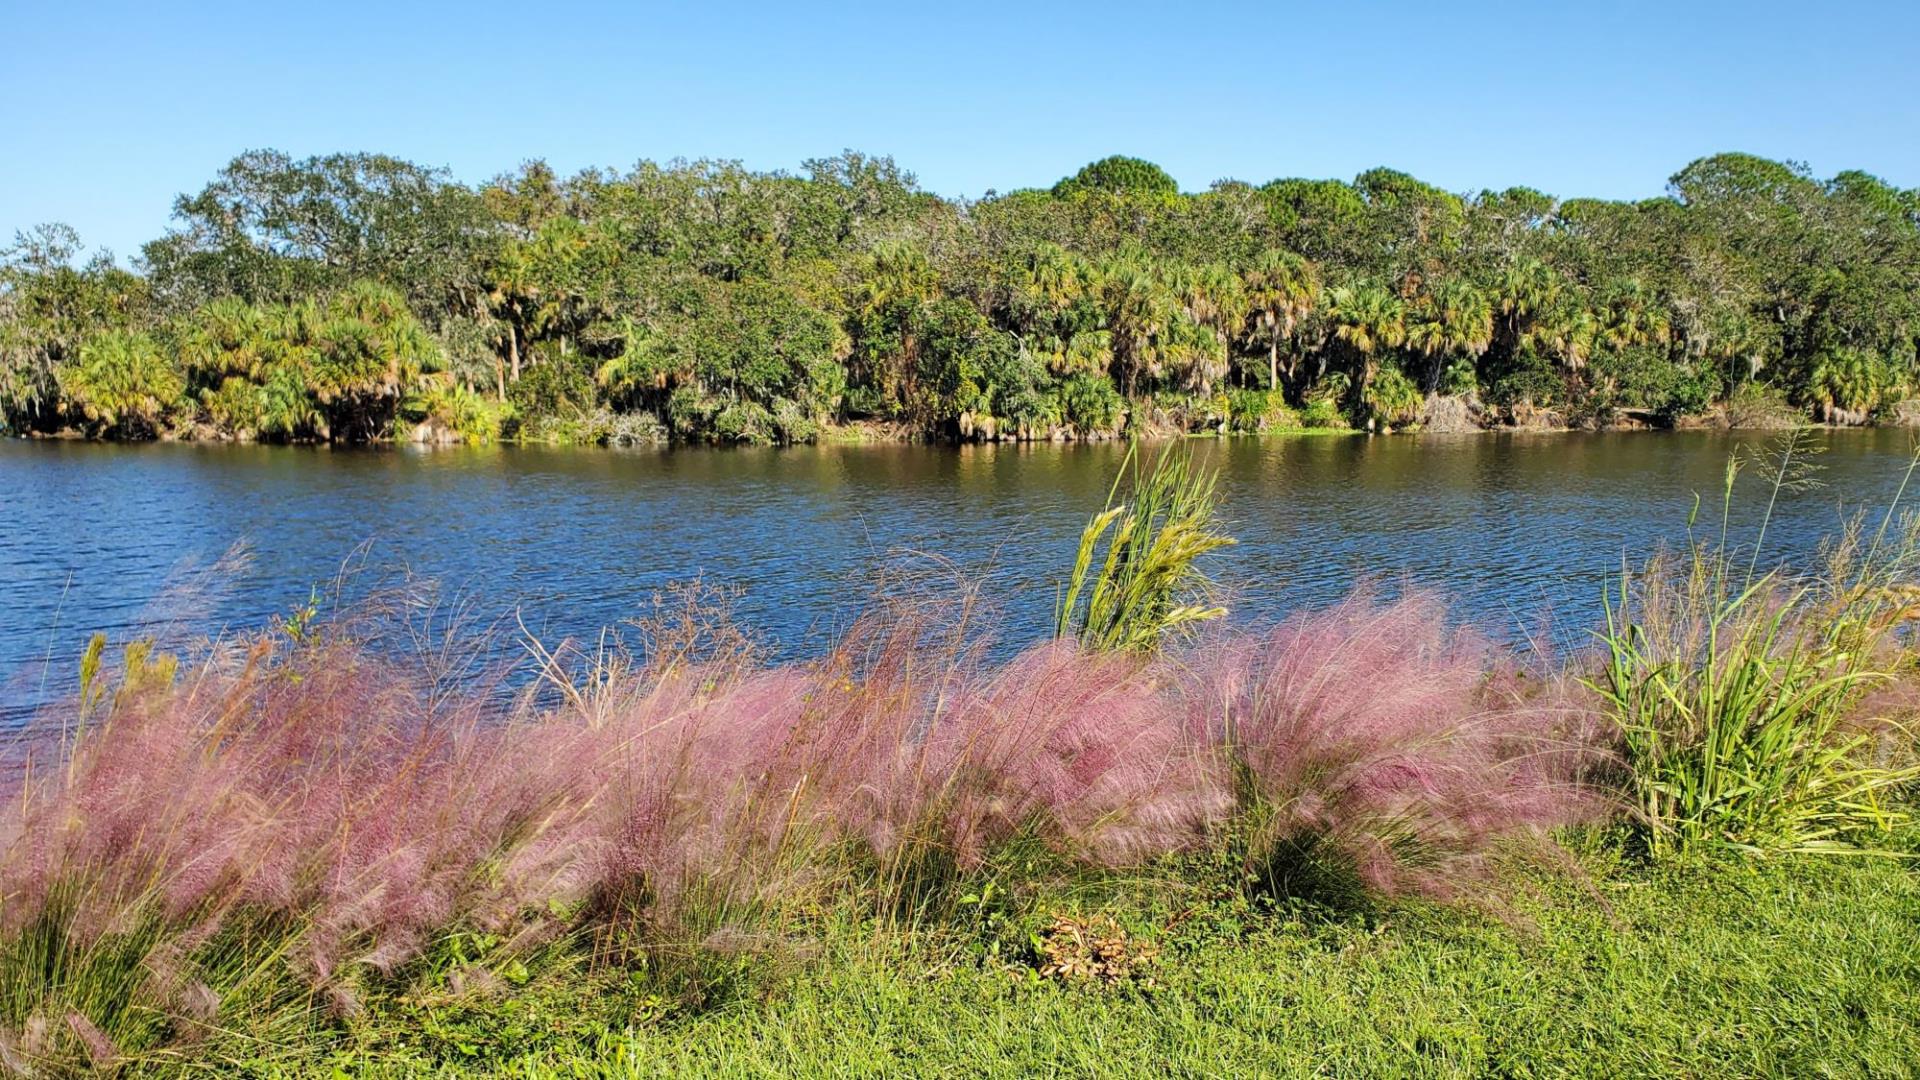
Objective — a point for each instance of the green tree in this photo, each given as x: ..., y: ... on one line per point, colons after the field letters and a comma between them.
x: 1140, y: 312
x: 1371, y: 322
x: 1281, y: 289
x: 1451, y: 321
x: 50, y: 303
x: 123, y: 384
x: 1120, y: 175
x: 896, y: 284
x: 338, y: 296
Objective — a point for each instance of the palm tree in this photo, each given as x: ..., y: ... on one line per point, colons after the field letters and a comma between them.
x: 1281, y: 289
x: 1527, y: 288
x: 286, y: 408
x: 122, y: 382
x: 1391, y: 398
x: 227, y: 337
x: 1634, y: 317
x: 896, y: 282
x: 1454, y: 319
x: 1845, y: 385
x: 896, y: 272
x: 1370, y: 320
x: 1089, y: 352
x: 1139, y: 311
x: 1197, y: 352
x: 641, y: 365
x: 511, y: 290
x: 233, y: 347
x: 1213, y: 306
x: 1568, y: 332
x: 1213, y: 297
x: 369, y: 351
x: 1050, y: 282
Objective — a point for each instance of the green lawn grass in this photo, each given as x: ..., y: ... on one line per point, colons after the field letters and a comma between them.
x: 1791, y: 967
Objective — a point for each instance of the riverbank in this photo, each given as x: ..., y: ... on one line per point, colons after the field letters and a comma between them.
x: 335, y: 843
x: 1364, y: 837
x: 1607, y: 968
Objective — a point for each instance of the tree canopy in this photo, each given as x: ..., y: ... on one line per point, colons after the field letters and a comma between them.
x: 360, y: 296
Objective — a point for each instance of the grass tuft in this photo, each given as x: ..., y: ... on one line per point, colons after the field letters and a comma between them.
x: 1147, y: 586
x: 1754, y: 707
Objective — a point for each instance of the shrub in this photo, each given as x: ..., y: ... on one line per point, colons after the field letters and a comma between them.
x: 1739, y: 706
x: 1250, y: 412
x: 123, y: 384
x: 1321, y: 413
x: 554, y: 387
x: 1091, y: 404
x: 1846, y: 385
x: 1691, y: 392
x: 739, y: 421
x: 1391, y: 398
x: 1531, y: 379
x: 1756, y: 405
x: 1321, y: 408
x: 457, y: 410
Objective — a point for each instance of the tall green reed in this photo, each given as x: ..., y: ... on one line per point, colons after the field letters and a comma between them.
x: 1147, y: 585
x: 1743, y: 696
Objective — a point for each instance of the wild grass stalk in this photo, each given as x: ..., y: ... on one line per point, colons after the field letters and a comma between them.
x: 1147, y: 586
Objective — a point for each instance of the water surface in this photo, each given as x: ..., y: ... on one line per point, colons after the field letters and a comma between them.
x: 570, y: 541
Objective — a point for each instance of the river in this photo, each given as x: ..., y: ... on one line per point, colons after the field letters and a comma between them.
x: 1513, y: 527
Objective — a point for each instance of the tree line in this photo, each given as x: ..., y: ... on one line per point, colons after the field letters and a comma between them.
x: 356, y: 297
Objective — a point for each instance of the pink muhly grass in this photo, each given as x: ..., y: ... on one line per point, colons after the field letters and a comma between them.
x: 329, y: 786
x: 1398, y: 741
x: 355, y: 800
x: 101, y: 1052
x: 1081, y: 748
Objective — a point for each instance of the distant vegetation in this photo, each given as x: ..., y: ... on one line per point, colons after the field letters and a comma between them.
x: 360, y: 297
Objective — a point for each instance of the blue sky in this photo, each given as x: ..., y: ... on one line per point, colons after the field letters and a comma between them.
x: 111, y: 110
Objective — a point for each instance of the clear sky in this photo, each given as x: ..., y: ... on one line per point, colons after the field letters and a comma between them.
x: 110, y: 110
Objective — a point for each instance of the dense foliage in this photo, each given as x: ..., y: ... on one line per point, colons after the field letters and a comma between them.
x: 359, y: 296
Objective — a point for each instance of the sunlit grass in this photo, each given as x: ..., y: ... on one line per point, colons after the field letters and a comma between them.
x: 1147, y: 585
x: 1746, y: 698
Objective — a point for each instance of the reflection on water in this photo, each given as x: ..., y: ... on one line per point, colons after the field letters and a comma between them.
x: 573, y: 540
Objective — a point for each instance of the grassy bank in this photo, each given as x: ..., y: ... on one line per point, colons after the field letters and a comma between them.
x: 1788, y: 967
x: 1785, y: 968
x: 1366, y: 839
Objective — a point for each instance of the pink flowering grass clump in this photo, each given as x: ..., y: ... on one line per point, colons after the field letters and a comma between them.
x: 1375, y: 738
x: 298, y: 818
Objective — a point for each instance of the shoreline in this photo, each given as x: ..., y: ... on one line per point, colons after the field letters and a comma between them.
x: 855, y: 436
